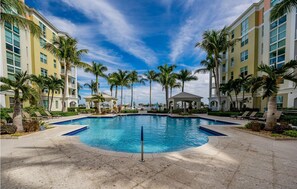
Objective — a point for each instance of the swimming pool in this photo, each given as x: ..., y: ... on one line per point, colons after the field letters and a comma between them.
x: 161, y: 133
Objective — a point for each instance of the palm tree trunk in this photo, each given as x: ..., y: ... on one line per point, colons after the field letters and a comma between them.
x: 131, y: 95
x: 121, y: 96
x: 65, y: 94
x: 150, y: 95
x: 272, y: 109
x: 236, y: 99
x: 17, y: 112
x: 183, y: 86
x: 217, y: 84
x: 97, y: 84
x: 170, y: 92
x: 40, y: 98
x: 166, y: 96
x: 241, y: 108
x: 48, y: 100
x: 52, y: 98
x: 116, y: 92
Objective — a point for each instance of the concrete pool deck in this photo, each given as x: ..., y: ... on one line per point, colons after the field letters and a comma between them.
x: 239, y: 160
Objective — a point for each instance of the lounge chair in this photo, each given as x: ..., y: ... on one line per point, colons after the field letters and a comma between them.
x: 244, y: 115
x: 263, y: 118
x: 277, y: 116
x: 50, y: 115
x: 38, y: 114
x: 28, y: 117
x: 253, y: 114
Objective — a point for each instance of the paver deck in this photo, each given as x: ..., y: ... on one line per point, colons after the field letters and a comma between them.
x: 240, y: 160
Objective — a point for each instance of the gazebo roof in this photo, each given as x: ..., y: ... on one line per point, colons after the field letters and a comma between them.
x: 185, y: 96
x: 105, y: 96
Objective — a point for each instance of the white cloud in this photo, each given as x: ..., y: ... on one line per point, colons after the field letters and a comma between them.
x: 114, y: 26
x: 204, y: 16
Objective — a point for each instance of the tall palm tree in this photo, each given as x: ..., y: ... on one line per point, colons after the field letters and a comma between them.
x: 98, y: 98
x: 165, y: 77
x: 184, y: 76
x: 244, y: 84
x: 40, y: 82
x: 151, y: 76
x: 215, y: 43
x: 8, y: 10
x: 54, y: 84
x: 135, y: 78
x: 227, y: 89
x: 282, y: 8
x: 92, y: 86
x: 79, y: 87
x: 122, y: 78
x: 270, y: 82
x: 21, y: 89
x: 111, y: 82
x: 98, y: 70
x: 65, y: 48
x: 173, y: 84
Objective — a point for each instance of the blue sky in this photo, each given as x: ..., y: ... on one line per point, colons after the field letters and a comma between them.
x: 140, y: 35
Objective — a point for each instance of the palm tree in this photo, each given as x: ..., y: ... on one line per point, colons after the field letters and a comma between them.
x: 98, y: 70
x: 282, y: 8
x: 151, y: 76
x: 79, y: 87
x: 173, y: 84
x: 65, y: 48
x: 111, y: 82
x: 135, y: 78
x: 8, y: 10
x: 270, y: 82
x: 122, y: 79
x: 165, y: 77
x: 40, y: 81
x: 92, y: 86
x: 215, y: 43
x: 21, y: 89
x: 244, y: 84
x: 98, y: 98
x: 54, y: 84
x: 184, y: 76
x: 227, y: 89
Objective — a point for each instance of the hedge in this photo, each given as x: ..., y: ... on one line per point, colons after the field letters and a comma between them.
x: 224, y: 114
x: 64, y: 114
x: 129, y: 111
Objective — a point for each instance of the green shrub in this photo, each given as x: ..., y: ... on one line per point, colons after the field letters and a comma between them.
x: 64, y: 114
x: 4, y: 114
x: 248, y: 125
x: 224, y: 114
x: 294, y: 122
x: 31, y: 126
x: 129, y: 111
x: 291, y: 133
x: 256, y: 126
x: 199, y: 111
x: 281, y: 128
x: 7, y: 129
x: 32, y: 109
x: 158, y: 111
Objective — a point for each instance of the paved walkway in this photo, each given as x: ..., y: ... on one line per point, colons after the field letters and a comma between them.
x: 239, y: 160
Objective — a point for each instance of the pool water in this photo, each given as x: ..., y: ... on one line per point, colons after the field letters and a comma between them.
x: 161, y: 133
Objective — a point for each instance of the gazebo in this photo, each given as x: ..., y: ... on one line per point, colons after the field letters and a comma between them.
x: 109, y: 100
x: 186, y: 98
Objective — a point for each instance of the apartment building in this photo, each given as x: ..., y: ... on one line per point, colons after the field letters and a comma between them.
x: 45, y: 63
x: 21, y: 51
x: 262, y: 42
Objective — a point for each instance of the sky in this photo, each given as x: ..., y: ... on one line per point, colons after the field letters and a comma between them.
x: 141, y: 35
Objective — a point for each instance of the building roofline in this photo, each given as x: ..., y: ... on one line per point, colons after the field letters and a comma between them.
x: 34, y: 11
x: 245, y: 12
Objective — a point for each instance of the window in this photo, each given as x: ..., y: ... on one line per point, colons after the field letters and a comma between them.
x: 43, y: 58
x: 279, y: 101
x: 45, y: 104
x: 11, y: 102
x: 8, y: 36
x: 13, y: 64
x: 57, y: 104
x: 232, y: 62
x: 244, y: 71
x: 224, y: 68
x: 232, y: 34
x: 54, y: 36
x: 232, y: 75
x: 43, y: 72
x: 274, y: 2
x: 244, y: 32
x: 55, y: 63
x: 278, y: 41
x: 43, y: 29
x: 42, y: 42
x: 244, y: 56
